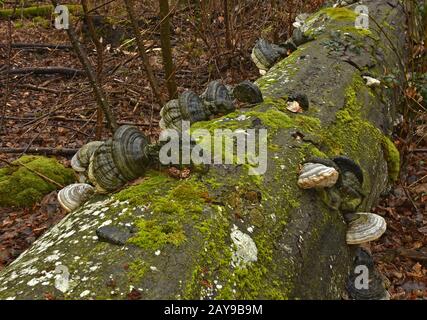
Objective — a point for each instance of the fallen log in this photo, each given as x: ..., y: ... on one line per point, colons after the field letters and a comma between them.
x: 41, y: 151
x: 64, y: 119
x: 38, y: 46
x: 46, y: 71
x: 225, y: 234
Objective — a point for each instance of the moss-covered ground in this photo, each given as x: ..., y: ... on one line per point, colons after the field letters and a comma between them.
x: 21, y: 187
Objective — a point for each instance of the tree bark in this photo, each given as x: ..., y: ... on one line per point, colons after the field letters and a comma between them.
x: 298, y: 247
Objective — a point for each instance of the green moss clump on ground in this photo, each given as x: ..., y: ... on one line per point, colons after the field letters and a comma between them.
x: 37, y: 11
x: 19, y: 187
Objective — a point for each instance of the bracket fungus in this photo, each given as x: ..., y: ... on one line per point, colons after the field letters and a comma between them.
x: 118, y: 160
x: 265, y: 55
x: 247, y: 92
x: 317, y: 175
x: 190, y: 107
x: 373, y: 288
x: 365, y: 227
x: 74, y: 195
x: 80, y: 161
x: 218, y: 98
x: 339, y: 182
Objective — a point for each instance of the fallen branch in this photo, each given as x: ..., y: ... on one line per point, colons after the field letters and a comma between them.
x: 37, y: 88
x: 47, y: 46
x: 61, y: 118
x: 48, y: 70
x: 44, y: 151
x: 412, y: 254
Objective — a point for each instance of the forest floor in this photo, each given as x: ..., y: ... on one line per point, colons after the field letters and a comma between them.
x: 59, y: 112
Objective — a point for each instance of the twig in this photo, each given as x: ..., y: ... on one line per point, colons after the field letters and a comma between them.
x: 33, y: 139
x: 37, y: 88
x: 19, y: 163
x: 44, y: 151
x: 97, y: 89
x: 61, y: 118
x: 142, y: 52
x: 100, y: 62
x: 47, y: 46
x: 47, y: 70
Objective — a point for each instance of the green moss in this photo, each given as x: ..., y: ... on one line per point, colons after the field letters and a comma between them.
x: 393, y: 158
x: 307, y: 123
x: 356, y: 31
x: 350, y: 130
x: 172, y: 203
x: 137, y: 270
x: 340, y: 14
x: 273, y: 119
x: 20, y: 187
x: 309, y: 151
x: 36, y: 11
x: 286, y: 67
x: 41, y: 22
x: 153, y: 234
x: 226, y: 122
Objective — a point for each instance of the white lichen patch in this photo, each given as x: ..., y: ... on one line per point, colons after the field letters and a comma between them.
x: 245, y: 250
x: 84, y: 293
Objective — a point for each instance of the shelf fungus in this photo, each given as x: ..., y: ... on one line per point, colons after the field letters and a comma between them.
x: 188, y: 107
x: 265, y: 55
x: 73, y: 196
x: 118, y: 160
x: 218, y: 98
x: 370, y: 287
x: 247, y: 92
x: 317, y: 175
x: 80, y: 161
x: 365, y: 227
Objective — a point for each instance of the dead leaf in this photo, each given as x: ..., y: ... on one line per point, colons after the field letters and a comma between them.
x: 294, y: 107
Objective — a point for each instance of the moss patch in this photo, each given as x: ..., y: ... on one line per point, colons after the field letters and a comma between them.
x: 393, y: 158
x: 36, y: 11
x: 20, y: 187
x: 153, y: 234
x: 137, y: 270
x: 340, y: 14
x: 173, y: 204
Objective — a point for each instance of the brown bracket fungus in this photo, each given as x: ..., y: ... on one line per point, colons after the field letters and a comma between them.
x: 74, y: 195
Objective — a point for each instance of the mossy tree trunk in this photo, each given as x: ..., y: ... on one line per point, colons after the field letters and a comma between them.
x: 294, y: 246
